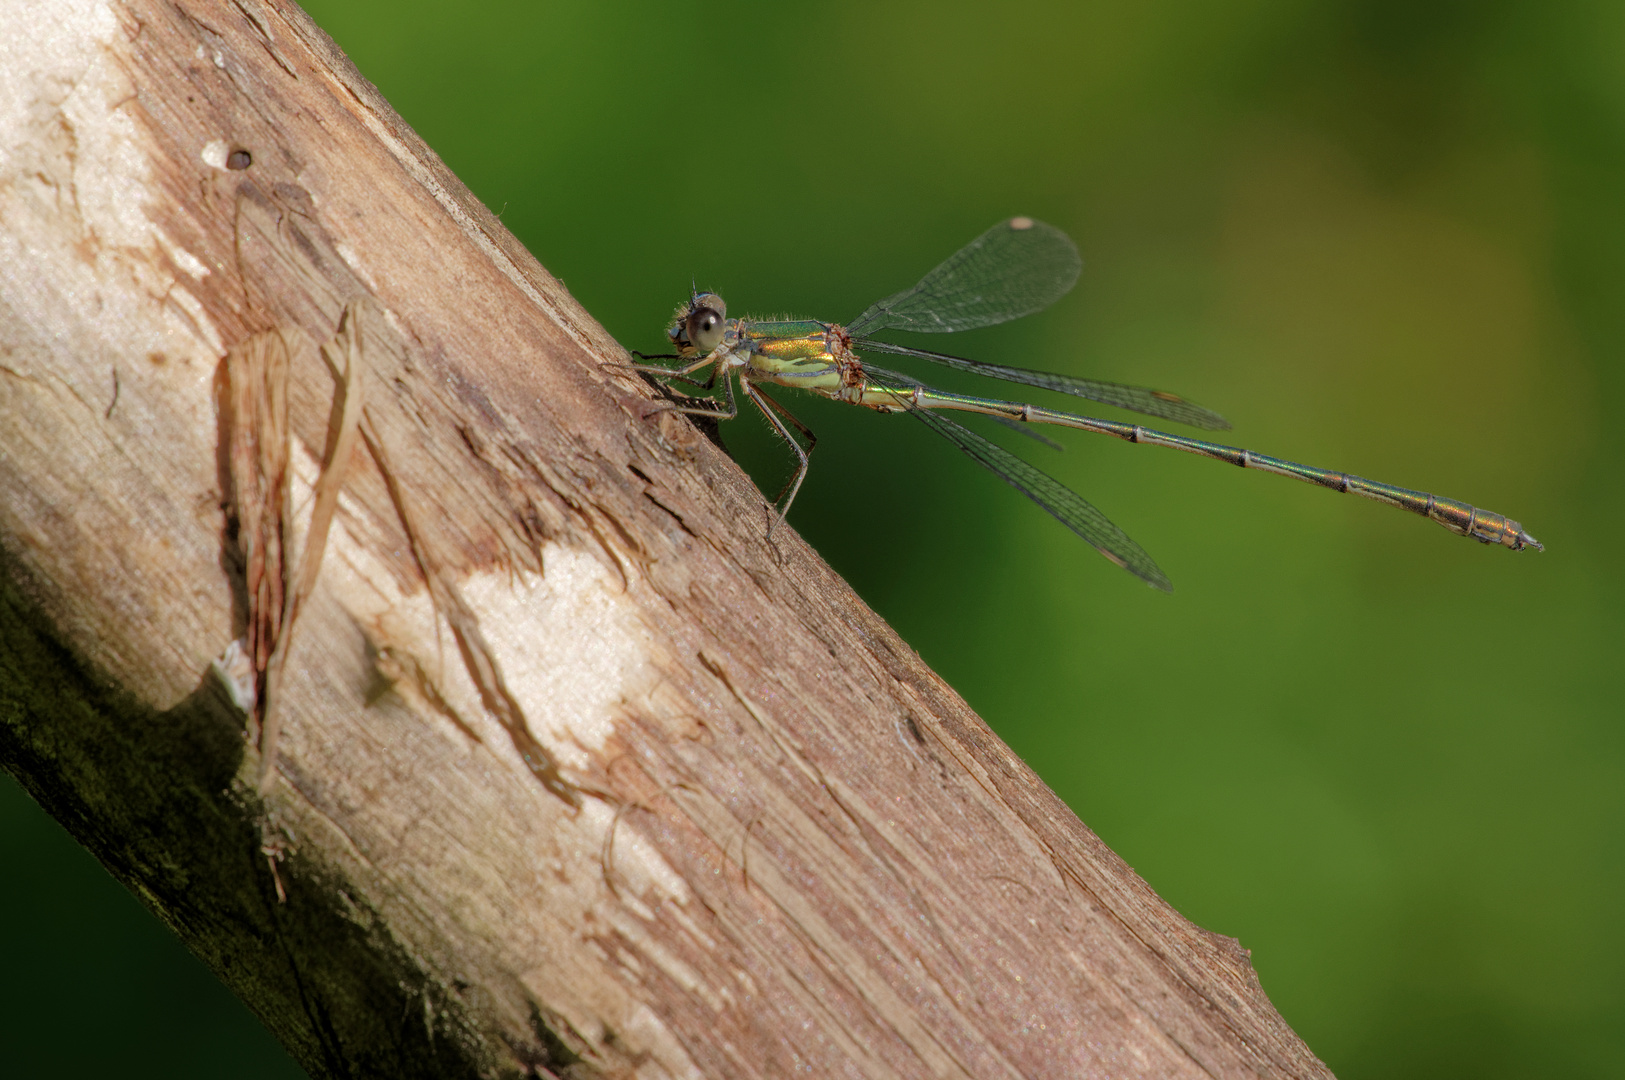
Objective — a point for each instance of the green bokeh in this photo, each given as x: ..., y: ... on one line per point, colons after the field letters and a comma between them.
x: 1384, y: 236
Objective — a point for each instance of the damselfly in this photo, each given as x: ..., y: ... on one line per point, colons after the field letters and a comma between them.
x: 1015, y: 268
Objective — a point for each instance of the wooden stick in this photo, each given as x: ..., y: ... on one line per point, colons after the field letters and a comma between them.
x: 579, y: 774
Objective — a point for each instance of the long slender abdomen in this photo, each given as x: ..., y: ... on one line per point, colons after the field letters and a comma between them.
x: 1459, y: 517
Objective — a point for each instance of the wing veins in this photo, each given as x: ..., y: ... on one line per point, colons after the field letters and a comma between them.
x: 1013, y: 269
x: 1058, y: 500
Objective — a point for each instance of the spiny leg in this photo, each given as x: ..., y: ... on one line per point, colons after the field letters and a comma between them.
x: 729, y: 413
x: 670, y: 373
x: 698, y: 384
x: 680, y: 374
x: 806, y: 432
x: 675, y: 374
x: 769, y: 407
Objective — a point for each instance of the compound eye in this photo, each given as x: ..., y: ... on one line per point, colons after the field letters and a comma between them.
x: 704, y: 329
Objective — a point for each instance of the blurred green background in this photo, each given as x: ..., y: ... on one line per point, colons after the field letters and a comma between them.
x: 1386, y: 236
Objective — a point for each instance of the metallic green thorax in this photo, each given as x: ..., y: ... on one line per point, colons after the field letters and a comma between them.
x: 806, y: 355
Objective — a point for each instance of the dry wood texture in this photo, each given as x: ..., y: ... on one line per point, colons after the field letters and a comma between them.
x: 579, y: 773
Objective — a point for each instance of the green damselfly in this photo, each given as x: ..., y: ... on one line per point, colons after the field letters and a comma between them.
x: 1016, y: 268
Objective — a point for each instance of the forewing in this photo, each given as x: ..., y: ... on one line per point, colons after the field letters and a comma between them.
x: 1015, y: 268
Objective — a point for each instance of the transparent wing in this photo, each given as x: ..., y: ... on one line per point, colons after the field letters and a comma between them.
x: 1138, y: 399
x: 1015, y: 268
x: 1064, y: 504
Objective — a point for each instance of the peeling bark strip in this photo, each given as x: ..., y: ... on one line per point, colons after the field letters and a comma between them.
x: 254, y: 432
x: 767, y: 839
x: 349, y: 395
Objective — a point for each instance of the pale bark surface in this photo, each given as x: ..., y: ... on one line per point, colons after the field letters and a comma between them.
x: 775, y: 843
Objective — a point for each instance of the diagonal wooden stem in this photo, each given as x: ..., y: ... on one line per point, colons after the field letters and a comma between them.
x: 917, y: 902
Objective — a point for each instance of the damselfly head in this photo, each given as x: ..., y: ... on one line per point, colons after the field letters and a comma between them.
x: 698, y: 326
